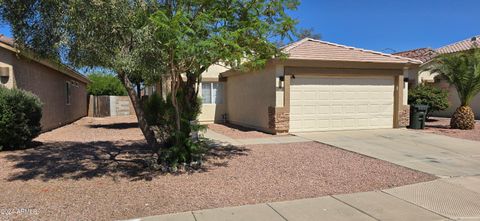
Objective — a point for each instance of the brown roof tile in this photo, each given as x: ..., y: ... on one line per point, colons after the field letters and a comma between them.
x: 460, y: 45
x: 6, y: 40
x: 422, y: 54
x: 312, y: 49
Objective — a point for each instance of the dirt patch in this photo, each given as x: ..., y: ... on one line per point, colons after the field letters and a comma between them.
x: 237, y: 132
x: 441, y: 126
x: 94, y: 170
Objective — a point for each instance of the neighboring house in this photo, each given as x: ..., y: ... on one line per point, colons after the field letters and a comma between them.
x: 422, y: 75
x: 320, y: 86
x: 61, y: 90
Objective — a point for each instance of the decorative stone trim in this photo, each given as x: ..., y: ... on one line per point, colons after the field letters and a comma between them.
x: 404, y: 116
x: 278, y: 120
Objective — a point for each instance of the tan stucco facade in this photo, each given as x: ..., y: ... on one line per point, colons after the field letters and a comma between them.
x: 249, y: 96
x: 253, y: 98
x: 211, y: 113
x: 49, y: 84
x: 424, y: 76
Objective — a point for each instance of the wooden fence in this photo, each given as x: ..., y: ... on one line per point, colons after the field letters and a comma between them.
x: 105, y: 106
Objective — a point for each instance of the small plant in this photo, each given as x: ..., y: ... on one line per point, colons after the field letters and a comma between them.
x: 20, y: 114
x: 105, y: 84
x: 434, y: 97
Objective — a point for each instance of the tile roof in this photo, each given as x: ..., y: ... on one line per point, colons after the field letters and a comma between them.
x: 6, y: 40
x: 427, y: 54
x: 460, y: 45
x: 59, y: 67
x: 312, y: 49
x: 422, y: 54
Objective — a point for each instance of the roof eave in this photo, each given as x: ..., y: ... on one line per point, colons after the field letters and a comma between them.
x: 65, y: 70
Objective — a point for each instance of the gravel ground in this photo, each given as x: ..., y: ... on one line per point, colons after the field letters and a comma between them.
x: 237, y: 132
x: 92, y: 170
x: 441, y: 126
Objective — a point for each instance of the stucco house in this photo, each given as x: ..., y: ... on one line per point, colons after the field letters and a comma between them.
x: 421, y: 74
x: 61, y: 90
x: 320, y: 86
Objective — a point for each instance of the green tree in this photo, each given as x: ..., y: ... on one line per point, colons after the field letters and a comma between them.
x: 105, y: 84
x: 461, y: 69
x: 436, y: 98
x: 154, y: 40
x: 302, y: 33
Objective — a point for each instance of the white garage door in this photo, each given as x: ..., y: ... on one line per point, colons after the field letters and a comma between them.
x: 327, y: 103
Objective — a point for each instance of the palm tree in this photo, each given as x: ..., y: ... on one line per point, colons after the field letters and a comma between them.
x: 461, y: 69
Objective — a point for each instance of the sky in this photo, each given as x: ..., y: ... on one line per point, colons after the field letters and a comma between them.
x: 386, y: 25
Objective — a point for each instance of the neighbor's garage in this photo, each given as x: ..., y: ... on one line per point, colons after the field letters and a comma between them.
x: 341, y: 103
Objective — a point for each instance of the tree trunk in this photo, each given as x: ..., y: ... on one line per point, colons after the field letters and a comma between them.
x: 149, y: 134
x: 139, y: 90
x: 175, y: 85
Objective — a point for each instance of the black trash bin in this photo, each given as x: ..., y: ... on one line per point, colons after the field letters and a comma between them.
x: 418, y: 114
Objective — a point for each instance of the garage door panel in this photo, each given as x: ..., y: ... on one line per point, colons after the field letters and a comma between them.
x: 341, y: 103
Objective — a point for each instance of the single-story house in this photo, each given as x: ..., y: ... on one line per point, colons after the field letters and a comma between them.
x: 421, y: 74
x: 61, y: 89
x: 320, y: 86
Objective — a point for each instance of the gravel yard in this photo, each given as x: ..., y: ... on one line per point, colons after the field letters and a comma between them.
x: 441, y: 126
x: 93, y: 170
x: 237, y: 132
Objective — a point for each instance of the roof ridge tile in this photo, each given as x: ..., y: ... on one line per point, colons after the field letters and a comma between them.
x: 298, y: 43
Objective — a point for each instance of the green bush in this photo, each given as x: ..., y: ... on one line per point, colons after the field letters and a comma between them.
x: 160, y: 113
x: 434, y: 97
x: 20, y: 114
x: 105, y: 84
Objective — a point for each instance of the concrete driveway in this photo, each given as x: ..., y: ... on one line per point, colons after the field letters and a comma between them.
x: 435, y: 154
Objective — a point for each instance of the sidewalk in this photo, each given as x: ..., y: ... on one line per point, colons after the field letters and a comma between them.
x: 224, y: 140
x: 443, y: 199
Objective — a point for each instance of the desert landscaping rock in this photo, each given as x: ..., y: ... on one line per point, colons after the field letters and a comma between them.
x: 64, y: 179
x: 441, y: 126
x: 237, y: 132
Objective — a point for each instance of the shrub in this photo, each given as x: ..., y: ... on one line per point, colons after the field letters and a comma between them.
x: 20, y: 114
x: 159, y: 113
x: 434, y: 97
x: 105, y: 84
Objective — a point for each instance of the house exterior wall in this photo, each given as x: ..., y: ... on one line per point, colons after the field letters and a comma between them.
x: 249, y: 97
x: 255, y: 100
x: 454, y: 101
x: 425, y: 76
x: 211, y: 113
x: 49, y: 85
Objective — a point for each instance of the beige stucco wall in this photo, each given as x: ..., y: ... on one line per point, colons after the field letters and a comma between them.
x: 424, y: 76
x: 249, y: 96
x: 49, y: 85
x: 454, y: 101
x: 211, y: 113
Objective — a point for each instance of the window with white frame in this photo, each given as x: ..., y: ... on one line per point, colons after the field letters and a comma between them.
x: 212, y: 92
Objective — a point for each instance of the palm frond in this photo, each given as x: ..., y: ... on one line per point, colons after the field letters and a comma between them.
x: 461, y: 69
